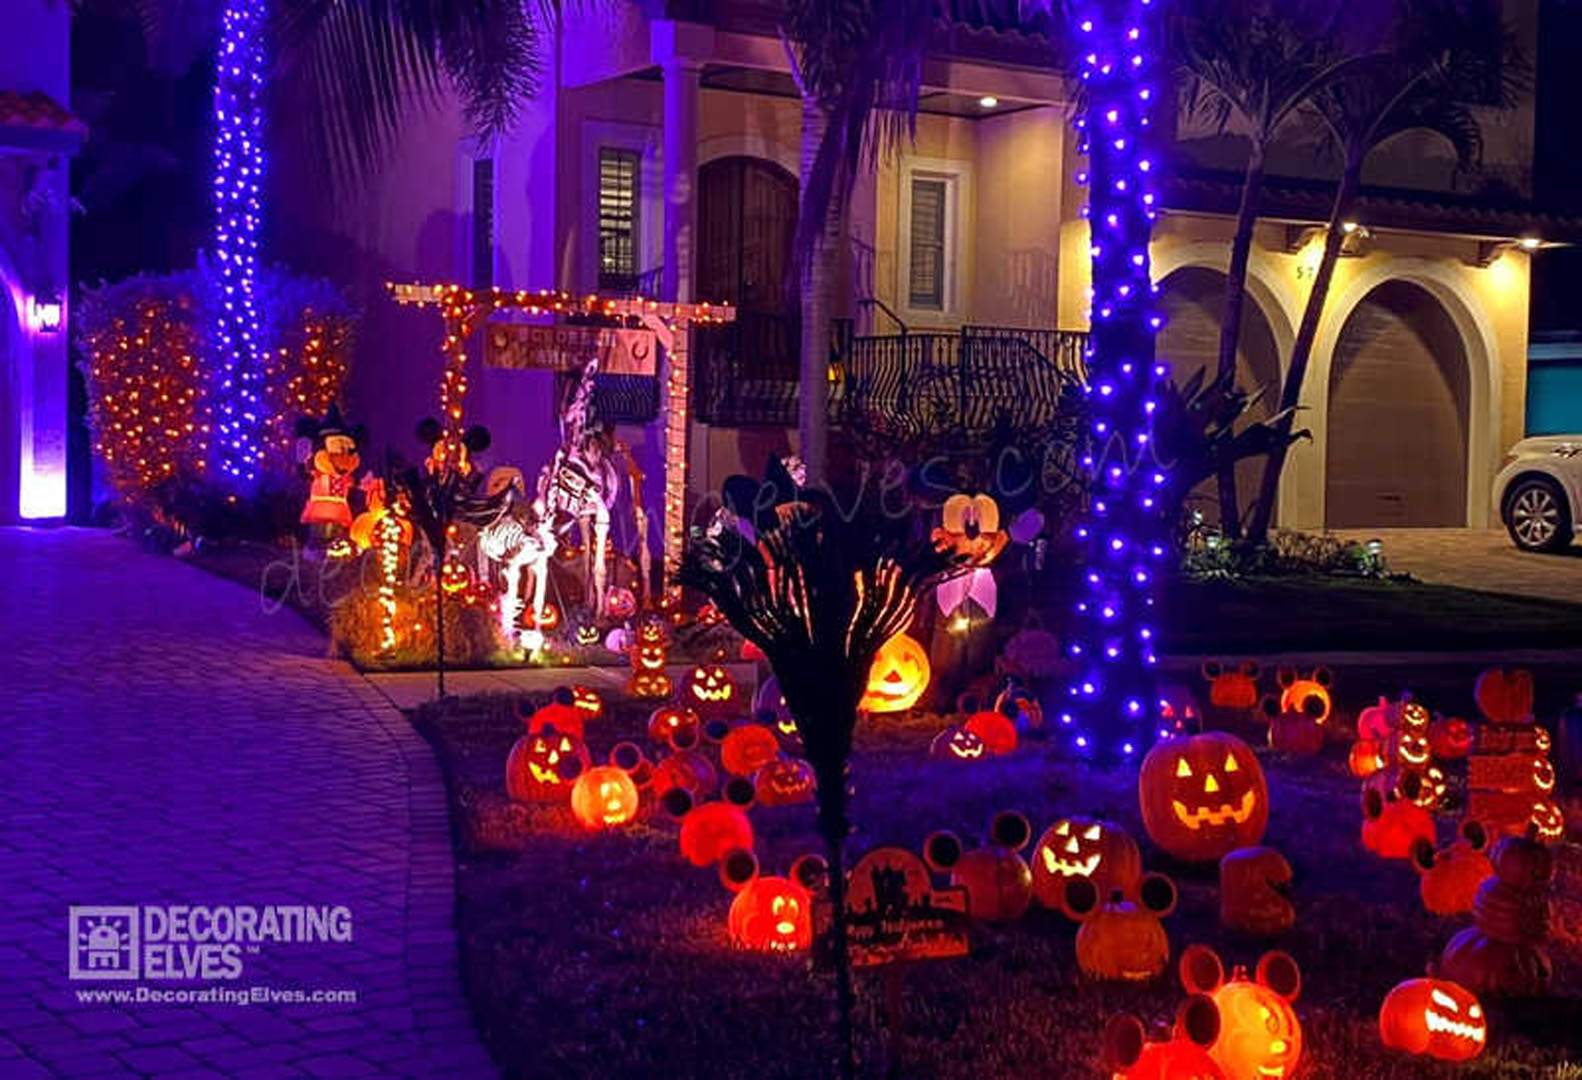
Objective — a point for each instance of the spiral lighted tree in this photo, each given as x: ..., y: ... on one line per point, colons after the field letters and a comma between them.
x: 1113, y: 709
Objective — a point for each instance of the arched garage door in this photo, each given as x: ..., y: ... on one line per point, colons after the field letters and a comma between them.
x: 1398, y: 415
x: 1193, y: 298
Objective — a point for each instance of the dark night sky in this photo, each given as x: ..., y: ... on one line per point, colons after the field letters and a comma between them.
x: 1557, y: 168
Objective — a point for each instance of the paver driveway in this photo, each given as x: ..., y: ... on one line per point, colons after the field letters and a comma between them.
x: 1483, y: 559
x: 167, y: 742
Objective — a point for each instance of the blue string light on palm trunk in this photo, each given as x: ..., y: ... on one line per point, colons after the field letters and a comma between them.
x: 238, y: 213
x: 1112, y: 711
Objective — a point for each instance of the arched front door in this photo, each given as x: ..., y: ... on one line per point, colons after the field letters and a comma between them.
x: 1399, y: 396
x: 747, y: 213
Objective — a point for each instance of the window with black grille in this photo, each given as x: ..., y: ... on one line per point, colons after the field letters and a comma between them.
x: 483, y: 223
x: 618, y: 173
x: 927, y: 261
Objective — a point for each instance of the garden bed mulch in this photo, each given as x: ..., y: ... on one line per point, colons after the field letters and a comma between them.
x: 607, y: 955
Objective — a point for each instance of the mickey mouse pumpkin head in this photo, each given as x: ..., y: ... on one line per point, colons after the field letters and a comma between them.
x: 1073, y: 847
x: 1234, y: 688
x: 1436, y: 1018
x: 748, y: 748
x: 542, y: 765
x: 1260, y: 1035
x: 771, y: 914
x: 1391, y: 825
x: 1452, y: 875
x: 1203, y: 796
x: 710, y: 830
x: 1308, y: 694
x: 1128, y: 1055
x: 1122, y: 937
x: 999, y: 885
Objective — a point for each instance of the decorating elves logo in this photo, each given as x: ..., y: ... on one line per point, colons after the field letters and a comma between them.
x: 191, y: 942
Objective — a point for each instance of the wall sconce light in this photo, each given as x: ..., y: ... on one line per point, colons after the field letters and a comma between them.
x: 44, y: 313
x: 1490, y: 250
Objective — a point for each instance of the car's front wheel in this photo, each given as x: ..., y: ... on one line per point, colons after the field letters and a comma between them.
x: 1536, y: 515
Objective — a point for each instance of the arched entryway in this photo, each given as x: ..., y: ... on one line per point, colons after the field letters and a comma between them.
x: 12, y: 371
x: 1399, y: 407
x: 1193, y: 299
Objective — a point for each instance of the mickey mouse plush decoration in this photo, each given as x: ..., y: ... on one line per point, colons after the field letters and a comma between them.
x: 331, y: 457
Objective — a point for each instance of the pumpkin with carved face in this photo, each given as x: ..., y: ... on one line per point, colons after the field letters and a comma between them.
x: 957, y: 744
x: 1253, y: 882
x: 604, y: 797
x: 1084, y: 847
x: 1434, y: 1018
x: 587, y: 701
x: 547, y: 619
x: 1260, y: 1035
x: 1121, y: 937
x: 557, y: 713
x: 1203, y: 796
x: 454, y: 575
x: 710, y: 689
x: 587, y: 635
x: 542, y: 765
x: 748, y: 748
x: 1450, y: 737
x: 769, y: 706
x: 772, y: 914
x: 970, y: 529
x: 784, y: 781
x: 648, y: 663
x: 1179, y: 712
x: 898, y: 677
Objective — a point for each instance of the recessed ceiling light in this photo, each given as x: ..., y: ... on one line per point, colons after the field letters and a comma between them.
x: 988, y: 101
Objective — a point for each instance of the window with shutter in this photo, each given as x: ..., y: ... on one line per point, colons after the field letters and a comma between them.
x: 618, y: 171
x: 927, y: 259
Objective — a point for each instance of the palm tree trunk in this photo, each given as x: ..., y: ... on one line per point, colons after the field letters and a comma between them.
x: 1302, y: 351
x: 1230, y: 326
x: 817, y: 285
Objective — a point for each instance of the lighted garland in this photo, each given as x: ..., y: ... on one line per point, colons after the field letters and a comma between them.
x: 387, y: 536
x: 238, y: 211
x: 1113, y: 711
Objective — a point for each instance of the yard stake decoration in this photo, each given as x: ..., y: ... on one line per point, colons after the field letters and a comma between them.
x: 1113, y: 710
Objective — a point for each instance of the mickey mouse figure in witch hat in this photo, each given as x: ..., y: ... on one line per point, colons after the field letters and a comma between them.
x: 329, y: 452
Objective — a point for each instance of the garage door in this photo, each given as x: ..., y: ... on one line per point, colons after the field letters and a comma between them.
x: 1398, y: 393
x: 1192, y: 299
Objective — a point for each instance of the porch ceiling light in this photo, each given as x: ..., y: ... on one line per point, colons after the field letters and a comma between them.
x: 988, y: 101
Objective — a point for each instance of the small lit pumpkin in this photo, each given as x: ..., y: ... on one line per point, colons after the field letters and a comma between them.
x: 747, y: 749
x: 587, y: 635
x: 1252, y: 886
x: 604, y: 797
x: 674, y: 726
x: 648, y: 663
x: 1434, y: 1018
x: 1121, y: 938
x: 1203, y: 796
x: 1259, y: 1035
x: 688, y: 770
x: 649, y: 684
x: 1233, y: 688
x: 587, y: 701
x: 1100, y: 851
x: 1505, y: 695
x: 542, y: 766
x: 454, y: 575
x: 772, y: 914
x: 995, y: 729
x: 784, y: 781
x: 1452, y: 875
x: 1365, y: 759
x: 957, y: 744
x: 898, y: 677
x: 711, y: 829
x: 1128, y: 1055
x: 546, y: 619
x: 1450, y: 737
x: 769, y: 700
x: 709, y: 687
x: 1390, y: 826
x: 1308, y: 694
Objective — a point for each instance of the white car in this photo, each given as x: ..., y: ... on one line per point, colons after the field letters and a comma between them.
x: 1540, y: 490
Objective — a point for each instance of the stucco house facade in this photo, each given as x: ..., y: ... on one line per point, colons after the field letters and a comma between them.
x: 663, y: 157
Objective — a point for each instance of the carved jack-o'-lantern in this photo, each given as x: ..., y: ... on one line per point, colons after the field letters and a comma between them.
x: 558, y: 713
x: 1306, y: 694
x: 1366, y: 758
x: 1252, y: 887
x: 542, y: 766
x: 1234, y: 688
x: 1072, y: 847
x: 1121, y: 938
x: 587, y: 635
x: 957, y: 744
x: 1203, y: 796
x: 1452, y: 875
x: 709, y: 687
x: 454, y: 575
x: 995, y: 729
x: 784, y: 781
x: 1179, y: 712
x: 545, y: 620
x: 970, y: 528
x: 1128, y: 1055
x: 604, y: 797
x: 747, y: 749
x: 587, y: 701
x: 1450, y: 737
x: 1505, y: 695
x: 1435, y: 1018
x: 769, y: 700
x: 1390, y: 826
x: 648, y: 663
x: 772, y: 914
x: 1259, y: 1033
x: 898, y: 677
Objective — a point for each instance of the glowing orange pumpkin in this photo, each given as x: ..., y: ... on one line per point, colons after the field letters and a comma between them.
x: 1230, y: 688
x: 1259, y: 1033
x: 1122, y: 939
x: 1203, y: 796
x: 648, y: 663
x: 1128, y: 1055
x: 709, y: 687
x: 1306, y: 694
x: 899, y: 675
x: 454, y: 575
x: 603, y: 797
x: 558, y: 714
x: 772, y: 914
x: 1452, y: 875
x: 711, y: 829
x: 995, y: 729
x: 747, y: 749
x: 1072, y: 847
x: 1391, y: 826
x: 543, y: 764
x: 785, y: 781
x: 1435, y: 1018
x: 675, y: 727
x: 587, y: 701
x: 1450, y: 737
x: 1365, y: 759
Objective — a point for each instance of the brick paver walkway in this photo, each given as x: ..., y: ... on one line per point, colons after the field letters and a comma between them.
x: 1482, y: 559
x: 166, y: 742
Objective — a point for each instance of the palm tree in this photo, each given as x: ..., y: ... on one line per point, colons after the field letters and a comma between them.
x: 1251, y: 65
x: 1430, y: 54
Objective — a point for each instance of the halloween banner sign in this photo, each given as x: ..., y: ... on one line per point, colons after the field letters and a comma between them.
x: 895, y: 912
x: 568, y: 348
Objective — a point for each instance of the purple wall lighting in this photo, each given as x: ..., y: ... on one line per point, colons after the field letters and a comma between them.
x: 1112, y: 710
x: 238, y: 178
